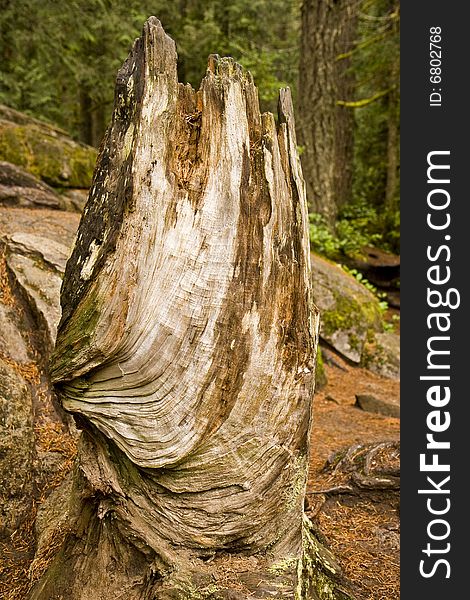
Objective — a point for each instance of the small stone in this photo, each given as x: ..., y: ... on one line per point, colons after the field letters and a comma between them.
x: 376, y: 405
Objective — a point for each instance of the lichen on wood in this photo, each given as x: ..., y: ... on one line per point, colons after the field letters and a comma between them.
x: 186, y: 348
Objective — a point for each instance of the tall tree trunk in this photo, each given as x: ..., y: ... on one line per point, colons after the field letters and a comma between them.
x: 98, y: 124
x: 326, y: 129
x: 393, y: 124
x: 86, y: 122
x: 92, y: 120
x: 186, y: 349
x: 391, y: 197
x: 344, y: 120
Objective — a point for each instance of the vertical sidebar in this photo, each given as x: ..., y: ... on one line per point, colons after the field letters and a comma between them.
x: 435, y: 259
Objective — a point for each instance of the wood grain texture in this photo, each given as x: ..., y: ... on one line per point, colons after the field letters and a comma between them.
x: 187, y: 343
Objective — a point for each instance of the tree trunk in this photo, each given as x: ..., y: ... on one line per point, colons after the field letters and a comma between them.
x: 186, y: 350
x: 344, y: 120
x: 92, y: 119
x: 326, y: 129
x: 393, y: 124
x: 391, y: 196
x: 86, y: 125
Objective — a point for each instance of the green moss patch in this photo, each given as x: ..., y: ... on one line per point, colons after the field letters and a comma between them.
x: 54, y: 158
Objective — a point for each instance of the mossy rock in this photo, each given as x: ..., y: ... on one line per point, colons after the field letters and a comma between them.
x: 350, y: 313
x: 45, y: 151
x: 382, y: 355
x: 20, y: 188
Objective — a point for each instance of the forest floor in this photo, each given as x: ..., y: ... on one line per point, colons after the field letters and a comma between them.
x: 361, y: 528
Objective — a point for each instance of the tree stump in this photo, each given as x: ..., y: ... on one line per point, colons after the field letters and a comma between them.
x: 186, y: 348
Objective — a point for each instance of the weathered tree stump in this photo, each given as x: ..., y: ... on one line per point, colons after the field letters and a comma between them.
x: 186, y: 348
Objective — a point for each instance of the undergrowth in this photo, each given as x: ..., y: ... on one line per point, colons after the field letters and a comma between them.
x: 358, y: 225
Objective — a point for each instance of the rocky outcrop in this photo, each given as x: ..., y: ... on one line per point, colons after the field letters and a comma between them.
x: 37, y: 264
x: 19, y: 188
x: 34, y: 246
x: 352, y: 320
x: 45, y: 151
x: 16, y: 447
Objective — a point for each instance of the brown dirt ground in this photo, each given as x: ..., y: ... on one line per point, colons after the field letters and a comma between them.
x: 362, y: 531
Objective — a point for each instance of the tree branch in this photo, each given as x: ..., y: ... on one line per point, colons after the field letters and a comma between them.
x: 364, y: 101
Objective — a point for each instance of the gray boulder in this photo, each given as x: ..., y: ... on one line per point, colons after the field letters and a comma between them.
x: 44, y: 150
x: 382, y: 355
x: 350, y: 314
x: 34, y: 246
x: 16, y: 448
x: 41, y: 286
x: 19, y: 188
x: 37, y: 263
x: 386, y: 407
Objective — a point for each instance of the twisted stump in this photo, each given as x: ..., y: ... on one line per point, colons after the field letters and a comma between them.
x: 186, y: 348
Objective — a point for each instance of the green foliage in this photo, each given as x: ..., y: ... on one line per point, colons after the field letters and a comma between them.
x: 322, y: 239
x: 357, y: 226
x: 261, y: 35
x: 370, y: 154
x: 54, y: 53
x: 390, y: 227
x: 376, y: 66
x: 59, y: 62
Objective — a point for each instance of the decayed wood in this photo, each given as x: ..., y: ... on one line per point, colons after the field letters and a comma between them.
x: 186, y: 347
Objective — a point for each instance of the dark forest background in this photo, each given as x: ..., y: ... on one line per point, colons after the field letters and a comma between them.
x: 339, y: 57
